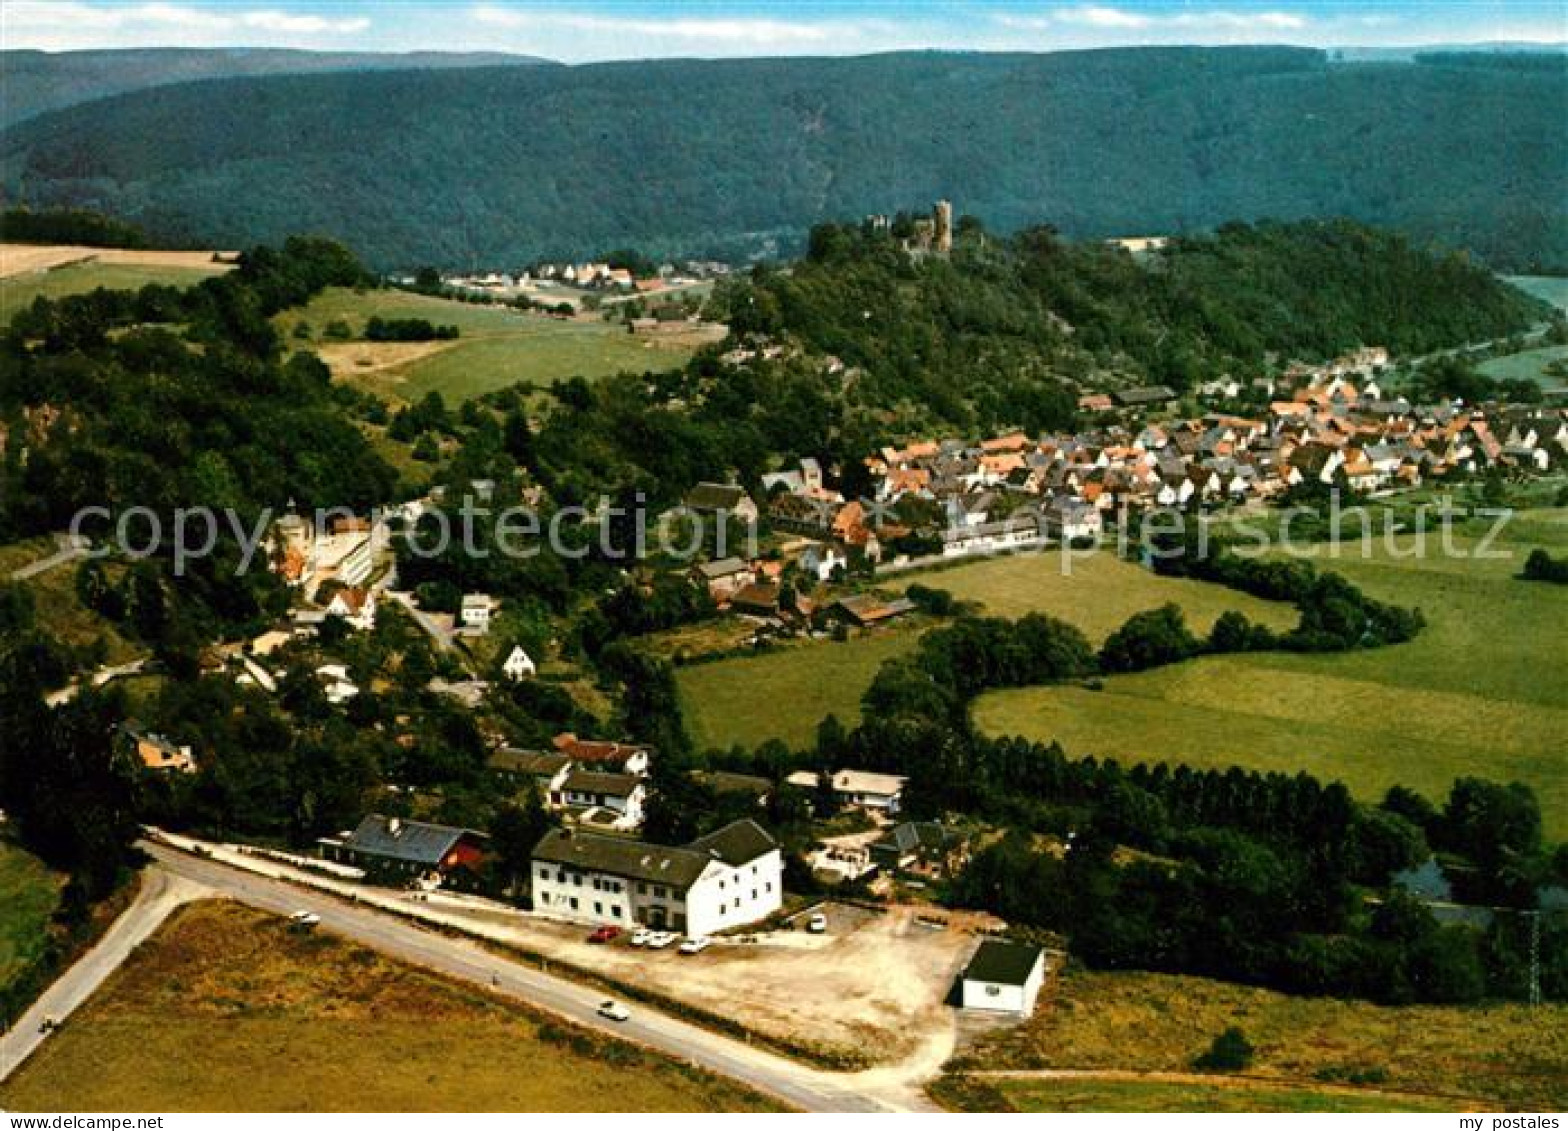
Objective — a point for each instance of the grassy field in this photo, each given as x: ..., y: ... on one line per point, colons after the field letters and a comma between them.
x: 59, y: 611
x: 1159, y: 1096
x: 498, y: 346
x: 227, y: 1009
x: 1553, y: 288
x: 18, y: 291
x: 1481, y: 690
x: 1157, y: 1023
x: 721, y: 700
x: 29, y: 893
x: 1529, y: 365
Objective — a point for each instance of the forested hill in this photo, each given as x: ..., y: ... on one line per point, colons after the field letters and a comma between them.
x: 39, y: 81
x: 499, y: 165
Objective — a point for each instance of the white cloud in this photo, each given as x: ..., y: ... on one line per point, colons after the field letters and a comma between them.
x: 1091, y: 16
x: 290, y: 22
x: 695, y: 29
x: 64, y: 24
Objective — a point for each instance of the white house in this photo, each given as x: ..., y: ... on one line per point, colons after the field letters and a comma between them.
x: 1003, y: 977
x: 613, y: 799
x: 821, y: 561
x: 356, y: 606
x: 519, y: 665
x: 474, y: 613
x: 729, y: 878
x: 335, y: 682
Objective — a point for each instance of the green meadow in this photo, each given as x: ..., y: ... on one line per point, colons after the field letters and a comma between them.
x: 1483, y: 690
x: 497, y: 346
x: 18, y: 291
x: 721, y: 700
x: 29, y: 893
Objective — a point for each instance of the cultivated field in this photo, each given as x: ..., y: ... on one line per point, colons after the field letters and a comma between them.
x: 498, y: 346
x: 28, y: 271
x: 29, y: 893
x: 720, y: 700
x: 228, y: 1009
x: 1481, y: 691
x: 1410, y: 1057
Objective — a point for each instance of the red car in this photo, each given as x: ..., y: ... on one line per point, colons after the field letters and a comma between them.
x: 604, y: 934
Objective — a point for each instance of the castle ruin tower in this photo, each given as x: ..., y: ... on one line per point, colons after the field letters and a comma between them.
x: 942, y: 223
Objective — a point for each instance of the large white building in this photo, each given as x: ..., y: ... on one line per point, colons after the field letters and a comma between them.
x: 728, y: 878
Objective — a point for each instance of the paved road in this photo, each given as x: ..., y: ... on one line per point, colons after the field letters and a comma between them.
x: 161, y: 892
x: 69, y: 551
x: 796, y: 1084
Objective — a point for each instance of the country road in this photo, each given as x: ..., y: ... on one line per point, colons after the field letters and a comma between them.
x: 161, y: 892
x: 177, y: 876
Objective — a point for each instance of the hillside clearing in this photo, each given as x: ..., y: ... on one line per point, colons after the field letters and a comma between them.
x: 109, y: 268
x: 497, y: 347
x: 286, y: 1021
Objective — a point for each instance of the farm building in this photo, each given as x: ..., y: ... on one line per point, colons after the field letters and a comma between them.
x: 392, y: 845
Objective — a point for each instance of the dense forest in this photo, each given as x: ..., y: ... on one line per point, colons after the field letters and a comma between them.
x: 685, y: 156
x: 39, y: 81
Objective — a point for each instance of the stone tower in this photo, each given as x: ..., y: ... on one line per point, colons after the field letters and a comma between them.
x: 942, y: 222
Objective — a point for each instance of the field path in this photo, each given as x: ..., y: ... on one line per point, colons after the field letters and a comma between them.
x: 161, y: 892
x: 1215, y: 1080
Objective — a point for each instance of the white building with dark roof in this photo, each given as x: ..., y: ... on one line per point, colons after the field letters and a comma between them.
x: 729, y: 878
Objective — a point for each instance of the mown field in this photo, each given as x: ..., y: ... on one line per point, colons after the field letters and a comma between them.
x: 1481, y: 691
x: 17, y: 291
x: 1552, y: 288
x: 722, y: 701
x: 497, y: 346
x: 228, y: 1009
x: 1307, y: 1049
x: 1529, y: 365
x: 29, y: 893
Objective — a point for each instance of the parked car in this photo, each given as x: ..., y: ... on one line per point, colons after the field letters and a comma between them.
x: 614, y: 1010
x: 305, y: 919
x: 604, y: 934
x: 818, y: 923
x: 658, y: 940
x: 696, y: 945
x: 641, y: 936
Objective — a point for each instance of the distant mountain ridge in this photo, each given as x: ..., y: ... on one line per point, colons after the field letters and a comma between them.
x: 39, y: 81
x: 498, y: 165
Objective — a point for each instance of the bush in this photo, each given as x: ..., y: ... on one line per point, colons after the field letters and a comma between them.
x: 1230, y: 1052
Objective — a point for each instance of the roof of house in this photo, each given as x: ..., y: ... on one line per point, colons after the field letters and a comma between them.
x: 594, y: 750
x: 863, y: 781
x: 724, y: 567
x: 739, y: 842
x: 913, y: 835
x: 723, y: 781
x: 601, y: 782
x: 633, y: 859
x: 399, y: 839
x: 1146, y: 394
x: 540, y: 763
x: 715, y: 496
x: 758, y: 595
x: 1002, y: 962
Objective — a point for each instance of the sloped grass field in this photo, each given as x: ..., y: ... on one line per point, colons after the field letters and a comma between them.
x: 1307, y: 1049
x: 723, y: 701
x: 228, y: 1009
x: 29, y: 894
x: 496, y: 347
x: 18, y: 291
x: 1482, y: 690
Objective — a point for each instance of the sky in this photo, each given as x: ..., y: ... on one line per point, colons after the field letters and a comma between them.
x: 588, y: 30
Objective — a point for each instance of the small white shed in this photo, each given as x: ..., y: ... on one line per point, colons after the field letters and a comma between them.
x: 1003, y: 977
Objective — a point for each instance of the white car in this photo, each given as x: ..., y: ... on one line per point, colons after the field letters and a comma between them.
x: 613, y: 1010
x: 658, y: 940
x: 696, y: 946
x: 641, y: 936
x: 817, y: 924
x: 305, y: 919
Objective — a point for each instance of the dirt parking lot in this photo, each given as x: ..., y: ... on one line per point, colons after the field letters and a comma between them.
x: 874, y: 985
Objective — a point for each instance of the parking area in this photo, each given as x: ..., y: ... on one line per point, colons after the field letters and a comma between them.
x: 874, y: 983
